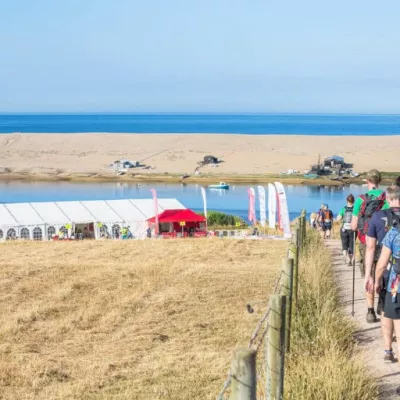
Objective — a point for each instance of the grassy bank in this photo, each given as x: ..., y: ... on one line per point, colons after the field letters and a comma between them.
x: 204, y: 179
x: 323, y: 363
x: 128, y: 319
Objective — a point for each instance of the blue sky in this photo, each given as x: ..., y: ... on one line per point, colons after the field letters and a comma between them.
x: 200, y: 55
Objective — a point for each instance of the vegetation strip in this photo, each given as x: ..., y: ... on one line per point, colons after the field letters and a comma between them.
x: 323, y: 362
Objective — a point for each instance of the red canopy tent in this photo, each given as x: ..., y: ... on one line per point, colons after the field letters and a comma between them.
x: 175, y: 221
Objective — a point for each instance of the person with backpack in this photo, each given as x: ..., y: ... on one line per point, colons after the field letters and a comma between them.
x: 324, y: 220
x: 381, y: 222
x: 346, y: 233
x: 389, y: 260
x: 364, y: 208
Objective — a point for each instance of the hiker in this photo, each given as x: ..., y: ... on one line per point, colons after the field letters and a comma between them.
x: 390, y: 257
x: 124, y: 233
x: 346, y: 234
x: 324, y: 220
x: 397, y: 181
x: 381, y: 222
x: 364, y: 208
x: 313, y: 220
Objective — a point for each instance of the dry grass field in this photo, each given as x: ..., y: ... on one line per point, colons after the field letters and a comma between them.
x: 128, y: 320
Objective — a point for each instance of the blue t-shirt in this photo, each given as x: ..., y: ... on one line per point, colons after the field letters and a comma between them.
x: 392, y: 241
x: 377, y: 227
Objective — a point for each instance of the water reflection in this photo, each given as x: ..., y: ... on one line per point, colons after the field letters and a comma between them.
x: 234, y: 200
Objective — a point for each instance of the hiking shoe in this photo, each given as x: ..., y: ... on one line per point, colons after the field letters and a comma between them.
x: 371, y: 317
x: 389, y: 357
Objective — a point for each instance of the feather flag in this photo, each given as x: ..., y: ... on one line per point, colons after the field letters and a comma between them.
x: 261, y: 198
x: 252, y: 206
x: 284, y: 222
x: 271, y: 205
x: 154, y: 193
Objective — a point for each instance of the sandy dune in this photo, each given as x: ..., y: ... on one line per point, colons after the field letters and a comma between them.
x: 58, y: 154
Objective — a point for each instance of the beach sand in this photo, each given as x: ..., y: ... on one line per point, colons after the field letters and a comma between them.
x: 66, y: 156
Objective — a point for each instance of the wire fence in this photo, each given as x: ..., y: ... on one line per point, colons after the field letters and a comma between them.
x: 261, y: 372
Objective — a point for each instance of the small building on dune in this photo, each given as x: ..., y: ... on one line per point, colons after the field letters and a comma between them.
x: 179, y: 222
x: 87, y: 219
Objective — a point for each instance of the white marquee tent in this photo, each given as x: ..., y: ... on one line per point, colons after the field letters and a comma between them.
x: 40, y: 221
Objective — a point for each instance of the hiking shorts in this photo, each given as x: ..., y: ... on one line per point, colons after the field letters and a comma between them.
x: 391, y: 310
x: 347, y: 236
x: 325, y: 226
x: 362, y: 247
x: 382, y: 294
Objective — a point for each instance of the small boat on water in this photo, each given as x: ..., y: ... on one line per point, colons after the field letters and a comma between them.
x: 221, y: 185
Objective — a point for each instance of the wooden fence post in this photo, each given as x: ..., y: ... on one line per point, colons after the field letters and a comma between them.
x: 300, y: 238
x: 273, y: 349
x: 287, y: 290
x: 243, y: 372
x: 293, y: 253
x: 282, y: 350
x: 304, y: 227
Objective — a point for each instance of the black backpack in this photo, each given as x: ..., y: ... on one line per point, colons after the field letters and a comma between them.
x: 370, y: 205
x: 348, y: 215
x: 393, y: 220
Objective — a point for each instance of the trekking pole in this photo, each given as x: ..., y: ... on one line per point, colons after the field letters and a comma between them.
x: 354, y: 272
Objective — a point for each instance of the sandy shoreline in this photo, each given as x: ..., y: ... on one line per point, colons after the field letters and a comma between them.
x: 168, y: 156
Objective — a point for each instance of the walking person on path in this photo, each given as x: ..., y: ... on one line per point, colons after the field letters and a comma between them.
x: 390, y: 257
x: 324, y: 221
x: 346, y: 233
x: 364, y: 208
x: 381, y: 222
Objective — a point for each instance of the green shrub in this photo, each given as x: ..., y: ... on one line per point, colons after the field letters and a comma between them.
x: 216, y: 218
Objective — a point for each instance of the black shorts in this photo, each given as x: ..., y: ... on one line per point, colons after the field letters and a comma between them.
x: 325, y: 226
x: 392, y: 310
x: 347, y: 237
x: 382, y: 294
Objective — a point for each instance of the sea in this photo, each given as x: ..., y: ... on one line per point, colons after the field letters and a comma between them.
x: 245, y: 124
x: 233, y: 201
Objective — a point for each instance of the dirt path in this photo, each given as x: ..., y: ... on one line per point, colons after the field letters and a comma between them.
x: 368, y: 335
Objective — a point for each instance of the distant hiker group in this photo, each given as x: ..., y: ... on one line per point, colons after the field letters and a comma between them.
x: 373, y: 218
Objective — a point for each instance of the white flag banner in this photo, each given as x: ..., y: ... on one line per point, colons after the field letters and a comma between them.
x: 154, y: 193
x: 203, y: 192
x: 271, y: 205
x: 263, y: 211
x: 283, y: 213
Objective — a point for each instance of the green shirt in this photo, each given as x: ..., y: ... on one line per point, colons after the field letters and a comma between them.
x: 342, y: 211
x: 359, y: 201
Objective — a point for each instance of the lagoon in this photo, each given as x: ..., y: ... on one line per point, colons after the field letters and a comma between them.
x: 233, y: 201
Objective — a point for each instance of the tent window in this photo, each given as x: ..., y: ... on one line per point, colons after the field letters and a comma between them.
x: 1, y: 234
x: 115, y: 231
x: 51, y: 231
x: 11, y: 233
x: 25, y: 233
x: 37, y: 234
